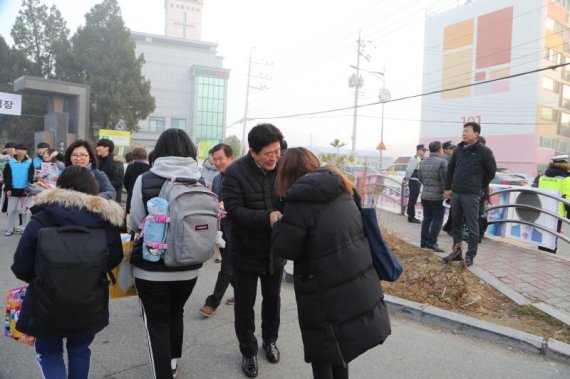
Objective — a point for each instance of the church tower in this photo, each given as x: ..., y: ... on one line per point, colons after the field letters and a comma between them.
x: 184, y: 19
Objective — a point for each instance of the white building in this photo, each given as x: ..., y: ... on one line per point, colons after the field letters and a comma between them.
x: 525, y: 118
x: 189, y: 84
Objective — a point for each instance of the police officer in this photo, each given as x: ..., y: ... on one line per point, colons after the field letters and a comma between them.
x: 557, y: 177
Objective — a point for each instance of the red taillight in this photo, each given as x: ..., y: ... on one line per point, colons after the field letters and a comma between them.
x: 505, y: 182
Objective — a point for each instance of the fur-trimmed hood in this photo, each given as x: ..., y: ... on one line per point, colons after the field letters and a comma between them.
x: 70, y: 205
x: 560, y: 165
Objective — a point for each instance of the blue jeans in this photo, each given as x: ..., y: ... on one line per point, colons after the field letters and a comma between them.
x: 50, y: 357
x: 433, y: 219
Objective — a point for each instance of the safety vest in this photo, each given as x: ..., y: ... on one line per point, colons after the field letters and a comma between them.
x: 555, y: 183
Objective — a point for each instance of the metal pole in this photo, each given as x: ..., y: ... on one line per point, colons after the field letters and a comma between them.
x: 357, y: 85
x: 243, y: 142
x: 380, y: 164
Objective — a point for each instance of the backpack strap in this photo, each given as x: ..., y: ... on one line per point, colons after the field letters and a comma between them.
x: 150, y: 186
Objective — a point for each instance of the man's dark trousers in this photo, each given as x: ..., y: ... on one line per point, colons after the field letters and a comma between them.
x: 465, y: 208
x: 433, y: 219
x: 245, y: 290
x: 226, y: 271
x: 223, y: 281
x: 414, y: 186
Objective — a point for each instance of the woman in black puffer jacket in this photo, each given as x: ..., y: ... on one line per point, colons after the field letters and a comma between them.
x: 339, y: 298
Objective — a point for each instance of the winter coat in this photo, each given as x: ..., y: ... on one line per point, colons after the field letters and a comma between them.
x: 470, y: 169
x: 208, y: 172
x: 106, y: 189
x: 115, y: 173
x: 17, y: 175
x: 131, y: 174
x: 163, y: 168
x: 66, y: 207
x: 339, y: 297
x: 249, y: 198
x: 433, y: 174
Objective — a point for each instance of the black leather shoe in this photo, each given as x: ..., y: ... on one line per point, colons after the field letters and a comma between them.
x: 271, y: 352
x: 415, y: 221
x: 249, y: 366
x: 435, y: 248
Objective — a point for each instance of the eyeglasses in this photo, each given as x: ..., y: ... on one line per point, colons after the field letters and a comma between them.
x: 79, y: 156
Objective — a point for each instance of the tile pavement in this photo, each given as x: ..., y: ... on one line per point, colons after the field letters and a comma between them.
x: 538, y: 276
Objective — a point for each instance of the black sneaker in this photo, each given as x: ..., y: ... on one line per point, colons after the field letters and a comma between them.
x: 414, y: 221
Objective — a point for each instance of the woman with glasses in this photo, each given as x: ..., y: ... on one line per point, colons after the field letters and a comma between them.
x: 80, y: 153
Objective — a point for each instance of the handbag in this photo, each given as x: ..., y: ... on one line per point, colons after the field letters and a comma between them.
x: 14, y: 300
x: 386, y: 264
x: 123, y: 284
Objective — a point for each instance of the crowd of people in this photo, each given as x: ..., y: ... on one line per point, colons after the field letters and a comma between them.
x: 273, y: 204
x: 458, y: 177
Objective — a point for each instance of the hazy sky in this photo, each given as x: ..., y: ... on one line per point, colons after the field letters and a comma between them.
x: 311, y: 45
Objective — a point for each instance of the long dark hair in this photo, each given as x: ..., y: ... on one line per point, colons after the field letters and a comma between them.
x: 297, y: 162
x: 79, y: 179
x: 87, y: 146
x: 174, y: 142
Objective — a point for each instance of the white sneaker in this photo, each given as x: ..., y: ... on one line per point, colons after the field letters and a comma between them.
x: 8, y: 232
x: 18, y: 229
x: 174, y: 366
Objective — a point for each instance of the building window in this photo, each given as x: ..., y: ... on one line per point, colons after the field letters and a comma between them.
x: 156, y: 124
x: 210, y: 107
x: 550, y: 84
x: 549, y: 114
x: 178, y: 123
x: 546, y: 142
x: 553, y: 56
x: 563, y: 147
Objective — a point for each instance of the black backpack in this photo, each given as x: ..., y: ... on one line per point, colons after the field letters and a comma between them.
x: 70, y: 290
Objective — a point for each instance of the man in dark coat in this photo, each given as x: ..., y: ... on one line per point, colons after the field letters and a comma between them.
x: 114, y: 170
x: 470, y: 170
x: 250, y: 200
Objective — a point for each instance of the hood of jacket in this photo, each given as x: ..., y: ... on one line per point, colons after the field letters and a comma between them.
x: 318, y: 186
x: 176, y: 167
x: 66, y: 207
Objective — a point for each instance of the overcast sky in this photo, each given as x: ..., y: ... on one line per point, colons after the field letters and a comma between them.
x: 311, y: 45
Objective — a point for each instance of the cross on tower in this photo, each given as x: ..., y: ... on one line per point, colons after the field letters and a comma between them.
x: 184, y: 25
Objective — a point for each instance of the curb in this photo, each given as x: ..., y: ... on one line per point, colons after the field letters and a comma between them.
x: 427, y: 314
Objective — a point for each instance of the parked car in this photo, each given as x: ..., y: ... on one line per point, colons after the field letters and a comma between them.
x: 529, y: 178
x: 357, y: 170
x: 505, y: 179
x: 397, y: 169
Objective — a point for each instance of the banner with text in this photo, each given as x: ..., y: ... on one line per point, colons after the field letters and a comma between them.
x: 10, y: 104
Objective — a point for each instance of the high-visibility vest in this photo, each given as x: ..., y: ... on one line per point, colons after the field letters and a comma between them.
x: 546, y: 182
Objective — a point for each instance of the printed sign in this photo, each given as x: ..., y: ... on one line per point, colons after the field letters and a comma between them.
x: 10, y: 104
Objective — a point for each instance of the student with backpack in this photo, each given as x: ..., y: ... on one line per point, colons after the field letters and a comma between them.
x: 166, y: 278
x: 64, y: 254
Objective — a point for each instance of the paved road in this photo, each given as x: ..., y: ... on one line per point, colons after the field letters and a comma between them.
x: 210, y: 347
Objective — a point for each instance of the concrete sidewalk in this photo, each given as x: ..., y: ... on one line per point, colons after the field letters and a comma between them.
x: 523, y: 273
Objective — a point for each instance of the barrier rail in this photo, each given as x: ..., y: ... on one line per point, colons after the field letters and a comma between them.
x: 531, y: 208
x: 380, y: 189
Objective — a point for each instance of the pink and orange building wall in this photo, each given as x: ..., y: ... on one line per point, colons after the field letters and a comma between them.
x: 469, y: 51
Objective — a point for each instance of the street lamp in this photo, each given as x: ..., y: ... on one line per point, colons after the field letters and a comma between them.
x: 384, y: 97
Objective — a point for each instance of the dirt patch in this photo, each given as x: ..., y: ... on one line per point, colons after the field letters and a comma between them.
x: 427, y: 280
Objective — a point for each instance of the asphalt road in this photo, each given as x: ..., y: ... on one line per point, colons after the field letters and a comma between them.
x: 210, y: 346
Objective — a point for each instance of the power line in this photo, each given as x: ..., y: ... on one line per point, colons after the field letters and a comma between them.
x: 553, y: 67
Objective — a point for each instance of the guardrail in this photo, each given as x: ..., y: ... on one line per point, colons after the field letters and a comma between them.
x: 386, y: 190
x: 531, y: 208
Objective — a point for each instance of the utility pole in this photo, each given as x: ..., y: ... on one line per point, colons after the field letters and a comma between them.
x: 357, y: 85
x: 247, y: 90
x: 384, y: 96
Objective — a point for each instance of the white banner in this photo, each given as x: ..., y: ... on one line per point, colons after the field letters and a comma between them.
x: 10, y: 104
